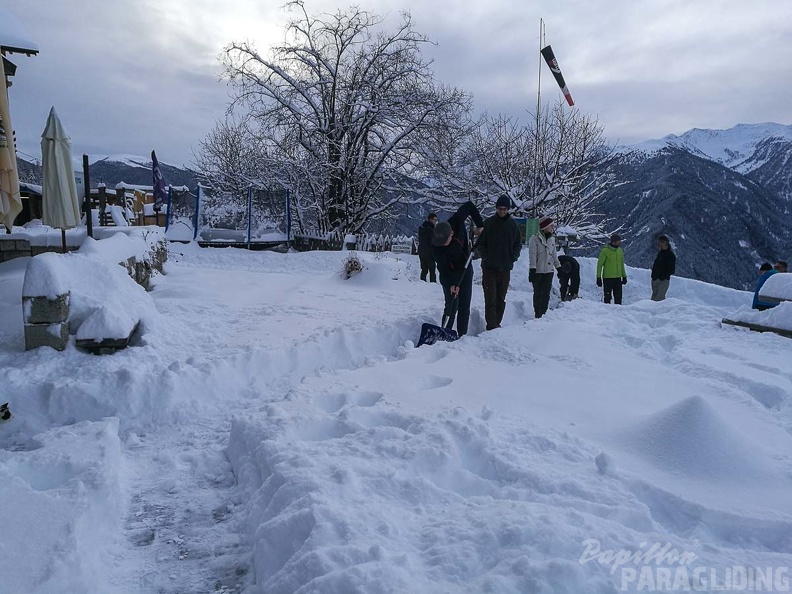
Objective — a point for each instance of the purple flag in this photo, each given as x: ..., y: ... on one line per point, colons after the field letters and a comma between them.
x: 160, y: 195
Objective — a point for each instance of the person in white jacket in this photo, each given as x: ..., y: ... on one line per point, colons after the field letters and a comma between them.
x: 542, y: 264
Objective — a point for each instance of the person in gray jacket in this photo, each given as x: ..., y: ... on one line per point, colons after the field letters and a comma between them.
x: 542, y: 263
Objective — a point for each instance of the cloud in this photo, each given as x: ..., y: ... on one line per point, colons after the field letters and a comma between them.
x: 128, y: 76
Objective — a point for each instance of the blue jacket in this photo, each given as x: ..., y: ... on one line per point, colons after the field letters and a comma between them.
x: 762, y: 279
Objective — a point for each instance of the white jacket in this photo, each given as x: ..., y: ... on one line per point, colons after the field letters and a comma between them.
x: 543, y: 254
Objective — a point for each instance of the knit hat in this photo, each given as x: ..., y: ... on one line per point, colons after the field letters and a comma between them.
x: 663, y: 238
x: 544, y: 223
x: 442, y: 232
x: 503, y: 201
x: 615, y: 237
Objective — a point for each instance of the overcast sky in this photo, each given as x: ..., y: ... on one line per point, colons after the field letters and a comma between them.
x: 128, y: 76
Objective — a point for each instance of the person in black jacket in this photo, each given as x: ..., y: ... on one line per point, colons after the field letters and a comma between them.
x: 663, y: 268
x: 425, y: 232
x: 451, y: 248
x: 569, y: 277
x: 499, y: 246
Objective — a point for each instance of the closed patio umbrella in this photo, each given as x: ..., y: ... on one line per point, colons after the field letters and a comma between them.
x: 59, y: 202
x: 10, y: 201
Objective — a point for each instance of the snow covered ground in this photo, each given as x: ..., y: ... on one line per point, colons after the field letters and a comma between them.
x: 273, y: 431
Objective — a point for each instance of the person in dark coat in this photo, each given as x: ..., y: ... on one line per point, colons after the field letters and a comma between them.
x: 451, y: 248
x: 569, y: 277
x: 663, y: 268
x: 499, y: 246
x: 425, y: 232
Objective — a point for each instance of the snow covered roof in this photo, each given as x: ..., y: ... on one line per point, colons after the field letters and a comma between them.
x: 13, y: 36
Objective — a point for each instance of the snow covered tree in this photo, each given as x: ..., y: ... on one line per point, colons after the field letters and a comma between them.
x: 231, y: 157
x: 342, y: 107
x: 549, y: 167
x: 568, y: 174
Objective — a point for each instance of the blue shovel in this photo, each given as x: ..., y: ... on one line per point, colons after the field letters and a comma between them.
x: 431, y: 333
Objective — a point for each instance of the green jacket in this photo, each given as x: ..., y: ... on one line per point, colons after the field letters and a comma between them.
x: 610, y: 263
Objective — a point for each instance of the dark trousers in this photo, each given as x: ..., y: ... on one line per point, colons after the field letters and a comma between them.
x: 570, y: 285
x: 612, y: 286
x: 542, y: 285
x: 495, y: 284
x: 458, y: 308
x: 428, y: 266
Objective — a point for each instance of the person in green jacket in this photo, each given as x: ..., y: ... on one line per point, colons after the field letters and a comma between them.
x: 611, y: 274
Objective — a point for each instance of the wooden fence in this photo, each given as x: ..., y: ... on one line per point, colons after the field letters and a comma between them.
x: 366, y: 242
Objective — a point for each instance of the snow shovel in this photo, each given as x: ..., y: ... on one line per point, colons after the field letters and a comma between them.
x: 430, y: 333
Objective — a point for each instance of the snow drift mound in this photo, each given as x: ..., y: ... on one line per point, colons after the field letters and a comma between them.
x: 691, y: 438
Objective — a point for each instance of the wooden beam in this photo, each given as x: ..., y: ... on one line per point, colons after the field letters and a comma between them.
x: 758, y: 327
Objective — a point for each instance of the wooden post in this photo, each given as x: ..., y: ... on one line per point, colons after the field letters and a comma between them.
x: 87, y: 202
x: 102, y: 205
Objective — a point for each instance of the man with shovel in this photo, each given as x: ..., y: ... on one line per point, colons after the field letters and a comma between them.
x: 451, y: 249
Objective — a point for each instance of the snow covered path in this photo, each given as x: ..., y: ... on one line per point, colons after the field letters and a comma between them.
x: 279, y: 434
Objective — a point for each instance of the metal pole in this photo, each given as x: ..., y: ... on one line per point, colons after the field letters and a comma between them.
x: 250, y: 211
x: 535, y: 178
x: 197, y: 208
x: 288, y: 221
x: 168, y: 212
x: 87, y: 201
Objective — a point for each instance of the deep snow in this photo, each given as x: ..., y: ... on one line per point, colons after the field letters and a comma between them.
x: 274, y: 431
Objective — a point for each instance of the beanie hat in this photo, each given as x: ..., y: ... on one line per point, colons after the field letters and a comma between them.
x: 503, y: 201
x: 663, y: 238
x: 442, y: 232
x: 615, y: 237
x: 544, y: 223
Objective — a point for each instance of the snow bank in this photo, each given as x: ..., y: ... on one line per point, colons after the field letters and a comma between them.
x: 102, y: 294
x: 62, y: 502
x: 779, y: 317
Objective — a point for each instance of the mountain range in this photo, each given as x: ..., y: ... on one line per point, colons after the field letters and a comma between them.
x: 724, y: 198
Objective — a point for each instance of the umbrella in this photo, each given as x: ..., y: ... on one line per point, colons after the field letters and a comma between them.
x: 59, y: 202
x: 10, y: 201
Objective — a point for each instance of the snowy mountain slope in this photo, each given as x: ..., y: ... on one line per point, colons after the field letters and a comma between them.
x: 722, y: 224
x: 113, y: 169
x: 735, y: 148
x: 279, y: 434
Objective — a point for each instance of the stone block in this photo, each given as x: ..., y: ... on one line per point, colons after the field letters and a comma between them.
x: 51, y: 335
x: 41, y: 310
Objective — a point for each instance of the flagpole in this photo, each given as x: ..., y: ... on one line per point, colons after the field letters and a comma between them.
x: 538, y: 108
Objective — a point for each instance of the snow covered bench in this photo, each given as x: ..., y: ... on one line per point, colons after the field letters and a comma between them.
x: 778, y: 319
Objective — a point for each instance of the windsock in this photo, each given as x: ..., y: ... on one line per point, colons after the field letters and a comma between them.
x: 550, y: 58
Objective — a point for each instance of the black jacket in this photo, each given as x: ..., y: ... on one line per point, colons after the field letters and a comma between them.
x: 664, y: 265
x: 457, y: 222
x: 425, y: 233
x: 574, y: 272
x: 500, y: 243
x: 450, y: 260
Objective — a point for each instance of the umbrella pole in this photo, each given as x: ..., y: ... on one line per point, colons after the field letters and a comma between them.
x: 63, y: 241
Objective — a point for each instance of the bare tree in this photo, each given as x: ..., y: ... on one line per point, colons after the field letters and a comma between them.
x: 342, y: 107
x: 231, y: 157
x: 550, y: 166
x: 569, y: 176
